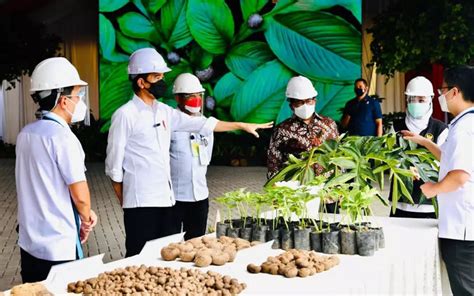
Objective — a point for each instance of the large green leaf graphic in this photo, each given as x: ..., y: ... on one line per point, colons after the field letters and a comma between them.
x: 225, y: 89
x: 331, y: 98
x: 140, y: 5
x: 244, y: 58
x: 129, y: 45
x: 199, y: 58
x: 250, y: 7
x: 260, y: 96
x: 107, y: 41
x: 154, y: 5
x: 111, y: 5
x: 173, y: 23
x: 211, y: 24
x: 354, y: 6
x: 135, y: 25
x: 318, y: 45
x: 115, y: 90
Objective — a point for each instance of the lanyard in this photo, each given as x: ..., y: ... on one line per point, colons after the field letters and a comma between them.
x: 457, y: 120
x: 79, y: 251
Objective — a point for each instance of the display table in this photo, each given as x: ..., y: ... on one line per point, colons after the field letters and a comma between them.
x: 409, y: 265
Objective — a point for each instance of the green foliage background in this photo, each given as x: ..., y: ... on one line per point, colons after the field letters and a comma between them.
x: 250, y: 67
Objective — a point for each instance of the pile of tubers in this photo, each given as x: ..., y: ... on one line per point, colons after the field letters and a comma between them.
x: 158, y: 281
x: 204, y: 251
x: 294, y: 263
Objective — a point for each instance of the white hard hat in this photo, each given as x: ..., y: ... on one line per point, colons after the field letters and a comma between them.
x: 146, y: 60
x: 54, y: 73
x: 300, y: 88
x: 419, y: 86
x: 187, y: 83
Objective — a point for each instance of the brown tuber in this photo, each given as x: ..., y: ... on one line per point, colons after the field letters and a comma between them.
x: 294, y: 263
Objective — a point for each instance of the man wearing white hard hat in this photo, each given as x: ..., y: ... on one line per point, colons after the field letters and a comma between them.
x: 190, y: 155
x: 419, y: 95
x: 303, y: 131
x: 138, y: 157
x: 54, y: 207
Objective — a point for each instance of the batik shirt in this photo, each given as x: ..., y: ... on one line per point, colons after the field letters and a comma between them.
x: 293, y: 136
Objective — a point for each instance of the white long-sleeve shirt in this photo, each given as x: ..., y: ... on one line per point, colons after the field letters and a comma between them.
x: 190, y: 156
x: 138, y: 150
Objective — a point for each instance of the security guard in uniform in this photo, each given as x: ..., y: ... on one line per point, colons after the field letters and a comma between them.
x: 138, y: 157
x: 54, y: 207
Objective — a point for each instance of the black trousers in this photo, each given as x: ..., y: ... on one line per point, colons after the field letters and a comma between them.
x: 34, y: 269
x: 144, y: 224
x: 458, y: 256
x: 405, y: 214
x: 191, y: 217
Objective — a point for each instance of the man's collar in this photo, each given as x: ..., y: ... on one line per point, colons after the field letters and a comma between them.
x: 56, y: 117
x: 140, y: 103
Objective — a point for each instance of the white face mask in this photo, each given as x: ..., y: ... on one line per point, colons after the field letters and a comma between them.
x: 442, y: 102
x: 192, y: 109
x: 79, y: 112
x: 305, y: 111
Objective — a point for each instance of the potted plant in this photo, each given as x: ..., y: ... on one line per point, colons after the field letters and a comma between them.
x: 259, y: 229
x: 229, y: 227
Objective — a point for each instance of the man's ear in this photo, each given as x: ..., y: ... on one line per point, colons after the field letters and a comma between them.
x: 141, y: 83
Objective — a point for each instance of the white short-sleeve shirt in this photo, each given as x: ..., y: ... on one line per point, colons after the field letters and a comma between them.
x: 49, y: 157
x: 456, y: 209
x: 138, y: 150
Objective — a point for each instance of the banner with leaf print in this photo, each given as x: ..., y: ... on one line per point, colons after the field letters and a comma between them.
x: 244, y: 52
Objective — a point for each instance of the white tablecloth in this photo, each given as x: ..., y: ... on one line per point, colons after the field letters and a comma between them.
x: 409, y: 265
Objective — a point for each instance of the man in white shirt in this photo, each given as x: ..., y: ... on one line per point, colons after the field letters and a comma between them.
x: 455, y: 188
x: 54, y: 212
x: 138, y: 158
x: 190, y: 155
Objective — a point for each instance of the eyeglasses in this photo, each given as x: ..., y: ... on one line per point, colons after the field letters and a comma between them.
x: 440, y: 90
x: 299, y: 103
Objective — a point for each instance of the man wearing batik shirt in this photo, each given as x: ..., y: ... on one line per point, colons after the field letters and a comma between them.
x: 301, y: 132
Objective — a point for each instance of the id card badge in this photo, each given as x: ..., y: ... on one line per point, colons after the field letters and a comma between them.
x: 195, y: 148
x: 203, y: 156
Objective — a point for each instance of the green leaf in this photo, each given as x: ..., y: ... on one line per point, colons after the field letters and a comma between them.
x: 244, y: 58
x: 260, y: 97
x: 154, y: 5
x: 354, y: 6
x: 111, y: 5
x: 115, y: 91
x: 199, y: 58
x: 211, y: 24
x: 341, y: 179
x: 135, y: 25
x: 225, y: 89
x: 173, y: 23
x: 129, y: 45
x: 403, y: 189
x: 250, y: 7
x: 107, y: 41
x: 404, y: 172
x: 395, y: 195
x: 343, y: 162
x: 318, y: 45
x: 139, y: 5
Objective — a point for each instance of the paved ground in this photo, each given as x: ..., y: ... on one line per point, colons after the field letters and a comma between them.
x: 108, y: 236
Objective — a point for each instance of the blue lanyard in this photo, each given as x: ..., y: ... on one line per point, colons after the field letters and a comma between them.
x: 79, y: 251
x: 457, y: 120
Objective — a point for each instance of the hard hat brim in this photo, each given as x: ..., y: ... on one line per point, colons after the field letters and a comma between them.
x: 78, y: 82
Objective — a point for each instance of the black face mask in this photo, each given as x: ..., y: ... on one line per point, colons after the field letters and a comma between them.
x: 157, y: 89
x: 359, y: 92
